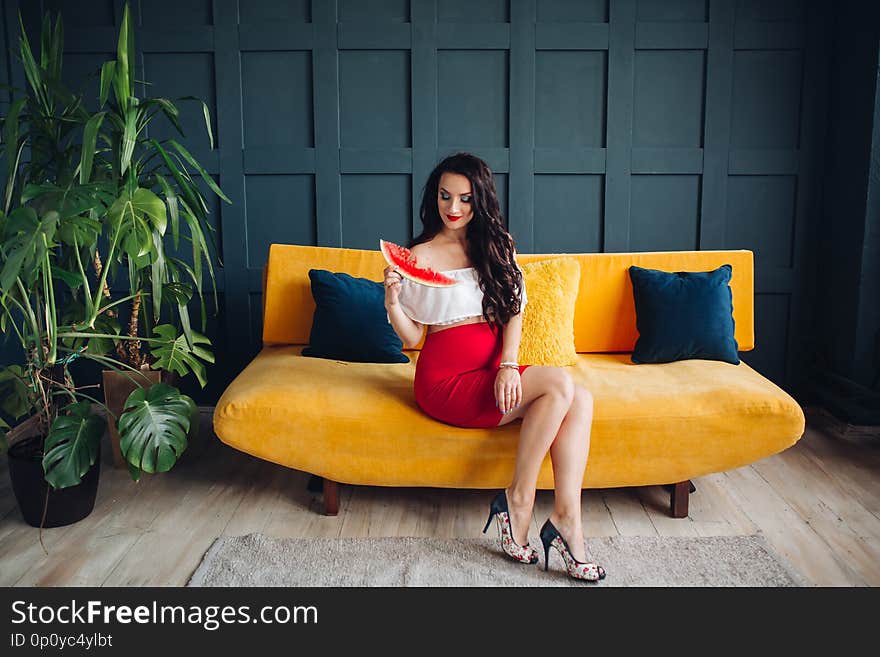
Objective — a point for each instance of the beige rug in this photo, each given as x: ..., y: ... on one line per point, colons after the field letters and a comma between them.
x: 258, y: 560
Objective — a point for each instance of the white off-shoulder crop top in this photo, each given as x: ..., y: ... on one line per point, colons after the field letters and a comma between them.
x: 446, y: 305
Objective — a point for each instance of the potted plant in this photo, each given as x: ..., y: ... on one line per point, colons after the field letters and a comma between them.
x: 154, y: 195
x: 58, y: 307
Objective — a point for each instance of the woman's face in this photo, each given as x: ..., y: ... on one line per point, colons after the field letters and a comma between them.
x: 455, y: 201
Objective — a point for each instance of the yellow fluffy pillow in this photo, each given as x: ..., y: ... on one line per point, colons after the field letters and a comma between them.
x: 548, y: 318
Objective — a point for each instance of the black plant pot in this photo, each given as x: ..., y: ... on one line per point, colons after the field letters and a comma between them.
x: 65, y: 506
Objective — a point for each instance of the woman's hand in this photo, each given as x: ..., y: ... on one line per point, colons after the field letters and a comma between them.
x: 392, y: 285
x: 508, y: 389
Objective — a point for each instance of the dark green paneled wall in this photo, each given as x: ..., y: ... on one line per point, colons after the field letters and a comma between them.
x: 612, y: 125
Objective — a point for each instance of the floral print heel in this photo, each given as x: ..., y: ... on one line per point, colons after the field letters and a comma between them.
x: 584, y: 570
x: 517, y: 552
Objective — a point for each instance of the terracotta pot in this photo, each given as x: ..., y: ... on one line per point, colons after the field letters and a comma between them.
x: 117, y: 388
x: 64, y: 506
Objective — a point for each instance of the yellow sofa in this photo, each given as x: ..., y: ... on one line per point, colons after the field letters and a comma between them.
x: 358, y: 423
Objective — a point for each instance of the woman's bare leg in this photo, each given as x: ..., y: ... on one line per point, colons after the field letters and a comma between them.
x: 569, y: 455
x: 548, y: 393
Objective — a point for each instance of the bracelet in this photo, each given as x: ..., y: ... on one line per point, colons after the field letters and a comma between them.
x: 509, y: 364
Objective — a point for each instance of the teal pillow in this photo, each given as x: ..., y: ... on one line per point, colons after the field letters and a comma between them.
x: 350, y: 321
x: 682, y: 315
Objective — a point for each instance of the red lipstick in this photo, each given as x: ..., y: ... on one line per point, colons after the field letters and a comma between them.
x: 452, y: 218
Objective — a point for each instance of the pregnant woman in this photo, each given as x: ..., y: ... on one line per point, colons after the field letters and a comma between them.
x: 467, y: 374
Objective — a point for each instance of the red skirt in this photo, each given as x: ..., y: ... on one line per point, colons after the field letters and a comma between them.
x: 455, y: 375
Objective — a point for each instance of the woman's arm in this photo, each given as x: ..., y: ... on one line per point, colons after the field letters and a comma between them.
x: 408, y: 330
x: 512, y: 336
x: 512, y: 333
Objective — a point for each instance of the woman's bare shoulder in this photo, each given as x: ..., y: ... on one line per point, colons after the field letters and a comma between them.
x: 425, y: 253
x: 439, y: 255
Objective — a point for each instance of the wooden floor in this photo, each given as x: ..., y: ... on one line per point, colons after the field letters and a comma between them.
x: 818, y: 505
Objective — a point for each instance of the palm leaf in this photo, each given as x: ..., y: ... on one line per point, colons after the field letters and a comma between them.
x: 158, y: 271
x: 197, y: 280
x: 167, y: 108
x: 31, y: 70
x: 57, y: 48
x: 123, y: 84
x: 198, y: 167
x: 108, y: 71
x: 129, y: 137
x: 90, y: 136
x: 173, y: 212
x: 12, y: 147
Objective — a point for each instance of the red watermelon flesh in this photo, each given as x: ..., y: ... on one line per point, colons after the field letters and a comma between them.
x: 402, y: 258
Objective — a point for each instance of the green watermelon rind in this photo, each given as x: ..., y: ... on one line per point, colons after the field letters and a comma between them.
x: 405, y: 262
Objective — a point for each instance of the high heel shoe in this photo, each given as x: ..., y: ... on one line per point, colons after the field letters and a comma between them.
x: 576, y: 569
x: 517, y: 552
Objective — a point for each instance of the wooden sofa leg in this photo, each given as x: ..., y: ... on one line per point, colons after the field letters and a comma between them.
x: 331, y: 497
x: 679, y: 498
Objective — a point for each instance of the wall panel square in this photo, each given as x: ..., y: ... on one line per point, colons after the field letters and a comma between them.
x: 570, y: 98
x: 280, y: 208
x: 568, y: 213
x: 665, y: 213
x: 467, y: 11
x: 374, y: 207
x: 95, y: 13
x: 765, y: 110
x: 473, y: 98
x: 775, y: 10
x: 761, y: 216
x: 173, y: 75
x: 175, y: 14
x: 668, y: 98
x: 289, y: 11
x: 277, y: 99
x: 393, y: 11
x: 591, y: 11
x: 672, y: 10
x: 374, y: 93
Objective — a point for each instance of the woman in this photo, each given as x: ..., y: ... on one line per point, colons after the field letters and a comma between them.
x: 467, y: 374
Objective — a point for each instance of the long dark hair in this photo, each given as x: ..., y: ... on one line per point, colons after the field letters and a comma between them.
x: 490, y: 246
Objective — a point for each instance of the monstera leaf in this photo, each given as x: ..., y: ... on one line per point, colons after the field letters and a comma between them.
x: 154, y: 426
x: 13, y: 391
x: 72, y: 445
x: 173, y: 354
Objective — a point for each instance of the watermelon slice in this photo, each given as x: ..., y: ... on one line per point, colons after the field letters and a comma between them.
x: 402, y: 258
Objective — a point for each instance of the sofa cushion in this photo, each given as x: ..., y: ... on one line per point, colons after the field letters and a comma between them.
x: 604, y: 320
x: 350, y: 322
x: 548, y: 318
x: 683, y: 314
x: 358, y: 423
